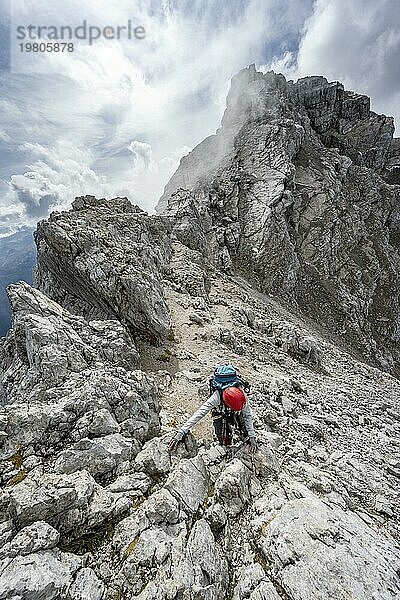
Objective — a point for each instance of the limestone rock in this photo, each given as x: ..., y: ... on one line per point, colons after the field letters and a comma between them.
x: 306, y: 537
x: 189, y: 483
x: 86, y: 586
x: 55, y: 343
x: 115, y: 273
x: 65, y: 501
x: 254, y: 584
x: 162, y: 507
x: 138, y: 483
x: 33, y: 538
x: 216, y: 516
x: 98, y: 456
x: 210, y: 569
x: 154, y: 459
x: 299, y: 167
x: 303, y: 347
x: 233, y: 487
x: 279, y: 253
x: 45, y: 574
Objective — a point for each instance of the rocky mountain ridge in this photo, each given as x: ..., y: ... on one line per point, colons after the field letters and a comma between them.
x: 114, y: 348
x: 308, y: 169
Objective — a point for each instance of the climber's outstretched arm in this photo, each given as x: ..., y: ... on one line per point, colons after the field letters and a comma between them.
x: 204, y: 409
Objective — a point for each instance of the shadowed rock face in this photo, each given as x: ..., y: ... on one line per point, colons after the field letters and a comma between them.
x: 105, y: 259
x: 297, y: 190
x: 116, y: 349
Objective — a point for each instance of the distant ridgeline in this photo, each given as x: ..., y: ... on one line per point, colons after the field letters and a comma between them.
x: 17, y: 259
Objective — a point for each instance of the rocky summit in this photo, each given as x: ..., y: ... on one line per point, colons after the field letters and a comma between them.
x: 275, y: 249
x: 299, y: 191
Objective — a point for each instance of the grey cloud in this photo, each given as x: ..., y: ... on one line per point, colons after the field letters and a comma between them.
x: 170, y: 90
x: 36, y: 207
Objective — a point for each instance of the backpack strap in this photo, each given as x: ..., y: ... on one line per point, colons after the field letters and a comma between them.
x: 244, y: 384
x: 211, y: 385
x: 218, y: 410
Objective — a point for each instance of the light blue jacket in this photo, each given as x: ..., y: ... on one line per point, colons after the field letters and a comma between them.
x: 213, y: 402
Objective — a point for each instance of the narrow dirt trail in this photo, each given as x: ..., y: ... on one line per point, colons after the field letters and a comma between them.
x: 196, y: 348
x: 341, y: 426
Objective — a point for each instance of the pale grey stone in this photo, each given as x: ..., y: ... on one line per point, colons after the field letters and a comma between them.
x: 232, y: 488
x: 132, y: 482
x: 189, y: 483
x: 43, y: 575
x: 254, y: 585
x: 210, y: 569
x: 86, y: 586
x: 154, y: 459
x: 306, y: 537
x: 151, y: 548
x: 162, y: 507
x: 38, y: 536
x: 95, y: 424
x: 6, y: 532
x: 98, y: 456
x: 120, y: 267
x: 216, y: 516
x: 65, y: 501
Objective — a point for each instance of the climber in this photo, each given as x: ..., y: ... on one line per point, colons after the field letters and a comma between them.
x: 229, y: 408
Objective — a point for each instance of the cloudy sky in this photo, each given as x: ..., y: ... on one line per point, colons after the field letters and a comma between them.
x: 113, y: 118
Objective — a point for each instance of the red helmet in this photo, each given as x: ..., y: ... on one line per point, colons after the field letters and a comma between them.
x: 234, y: 398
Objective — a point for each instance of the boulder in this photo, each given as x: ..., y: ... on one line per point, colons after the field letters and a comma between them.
x: 161, y: 507
x: 232, y: 488
x: 98, y: 456
x: 189, y: 483
x: 33, y: 538
x: 67, y: 502
x: 317, y: 550
x: 87, y: 586
x: 45, y: 574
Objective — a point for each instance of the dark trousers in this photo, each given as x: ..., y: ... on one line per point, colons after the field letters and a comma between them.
x: 224, y: 426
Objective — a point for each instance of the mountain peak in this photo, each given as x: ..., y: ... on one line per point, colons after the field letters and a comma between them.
x: 308, y: 168
x: 277, y: 252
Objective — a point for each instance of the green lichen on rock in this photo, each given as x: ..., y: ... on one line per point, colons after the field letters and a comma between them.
x: 18, y: 477
x: 165, y: 356
x: 17, y: 460
x: 138, y: 501
x: 116, y: 595
x: 171, y: 336
x: 131, y: 547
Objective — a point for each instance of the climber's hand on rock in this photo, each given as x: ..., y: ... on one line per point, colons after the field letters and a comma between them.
x: 175, y: 441
x: 252, y: 445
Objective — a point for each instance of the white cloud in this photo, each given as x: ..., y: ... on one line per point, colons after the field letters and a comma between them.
x: 58, y: 174
x: 141, y: 155
x: 166, y: 92
x: 114, y: 118
x: 356, y: 42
